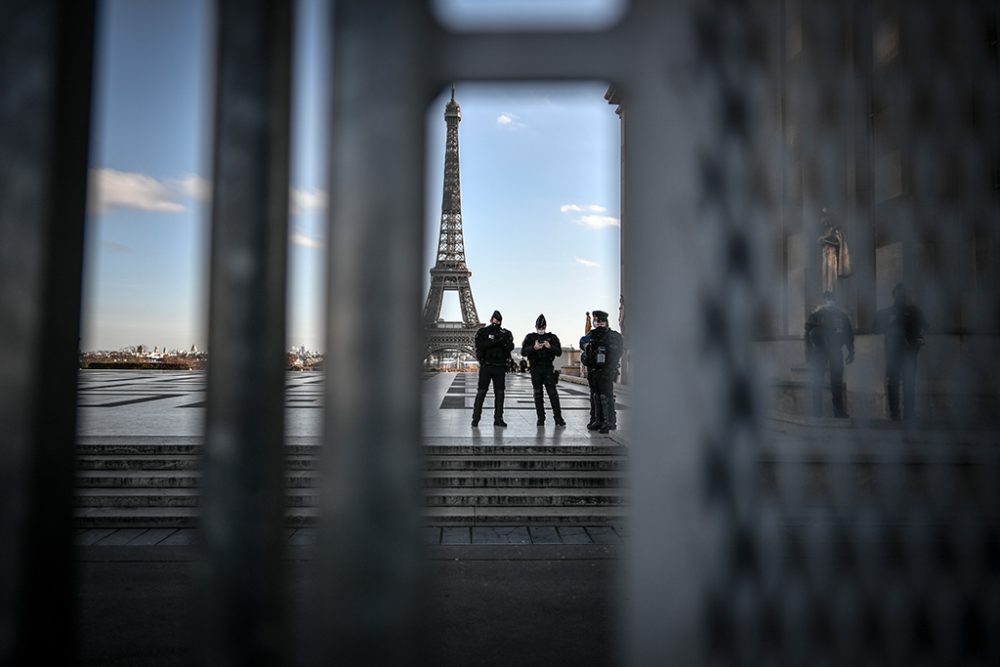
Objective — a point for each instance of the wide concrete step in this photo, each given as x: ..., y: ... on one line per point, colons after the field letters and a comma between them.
x: 166, y: 479
x: 520, y: 515
x: 187, y: 517
x: 171, y: 462
x: 142, y: 449
x: 304, y: 497
x: 535, y: 462
x: 523, y: 478
x: 190, y: 462
x: 509, y: 497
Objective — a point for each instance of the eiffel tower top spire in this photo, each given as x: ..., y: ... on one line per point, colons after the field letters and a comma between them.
x: 451, y: 241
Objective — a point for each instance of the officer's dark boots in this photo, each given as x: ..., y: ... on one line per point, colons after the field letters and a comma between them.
x: 594, y: 423
x: 838, y: 401
x: 556, y: 407
x: 477, y: 408
x: 539, y: 405
x: 498, y: 410
x: 604, y: 410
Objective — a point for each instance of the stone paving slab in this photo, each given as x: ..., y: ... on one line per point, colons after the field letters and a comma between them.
x: 500, y: 535
x: 90, y: 537
x: 121, y: 537
x: 574, y: 535
x: 544, y: 535
x: 456, y: 535
x: 603, y: 535
x: 152, y: 537
x: 184, y: 537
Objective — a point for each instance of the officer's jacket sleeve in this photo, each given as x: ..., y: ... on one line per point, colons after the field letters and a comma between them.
x: 508, y: 341
x: 527, y: 347
x: 556, y: 346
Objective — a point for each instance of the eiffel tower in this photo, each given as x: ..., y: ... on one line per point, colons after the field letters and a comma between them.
x: 450, y: 272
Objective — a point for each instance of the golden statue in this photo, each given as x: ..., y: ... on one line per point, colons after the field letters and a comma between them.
x: 836, y: 256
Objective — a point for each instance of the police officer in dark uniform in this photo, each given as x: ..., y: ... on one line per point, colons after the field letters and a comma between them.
x: 903, y: 326
x: 493, y: 348
x: 541, y: 348
x: 603, y: 354
x: 828, y: 329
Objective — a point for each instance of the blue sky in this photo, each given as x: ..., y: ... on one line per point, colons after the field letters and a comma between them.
x: 539, y: 169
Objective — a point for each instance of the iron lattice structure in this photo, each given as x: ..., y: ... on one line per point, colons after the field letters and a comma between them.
x: 450, y: 271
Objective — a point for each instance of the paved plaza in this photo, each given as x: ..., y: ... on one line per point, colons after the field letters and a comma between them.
x: 171, y: 404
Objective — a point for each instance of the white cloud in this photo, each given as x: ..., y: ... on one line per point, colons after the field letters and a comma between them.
x: 300, y: 239
x: 597, y: 221
x: 577, y: 208
x: 509, y: 120
x: 194, y: 187
x: 111, y: 188
x: 307, y: 199
x: 586, y: 262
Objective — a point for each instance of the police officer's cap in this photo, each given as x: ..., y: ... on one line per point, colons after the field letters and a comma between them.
x: 600, y: 316
x: 497, y: 316
x: 540, y: 322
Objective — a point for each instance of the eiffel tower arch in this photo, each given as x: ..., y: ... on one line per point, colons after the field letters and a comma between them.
x: 450, y: 272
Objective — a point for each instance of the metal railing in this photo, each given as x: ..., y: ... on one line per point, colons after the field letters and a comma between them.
x: 710, y: 577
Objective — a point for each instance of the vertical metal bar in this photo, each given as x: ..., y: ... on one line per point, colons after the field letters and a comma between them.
x: 697, y: 213
x: 46, y: 55
x: 243, y: 496
x: 372, y: 501
x: 672, y: 261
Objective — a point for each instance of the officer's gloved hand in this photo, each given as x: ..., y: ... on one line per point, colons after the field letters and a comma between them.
x: 850, y: 357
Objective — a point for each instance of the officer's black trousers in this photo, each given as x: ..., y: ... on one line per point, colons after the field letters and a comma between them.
x: 901, y: 367
x: 602, y: 387
x: 545, y: 377
x: 819, y: 361
x: 496, y: 375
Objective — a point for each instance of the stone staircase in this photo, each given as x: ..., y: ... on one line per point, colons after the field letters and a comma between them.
x: 157, y: 485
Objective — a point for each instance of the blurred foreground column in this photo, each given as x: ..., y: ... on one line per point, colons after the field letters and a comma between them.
x: 243, y: 488
x: 695, y: 202
x: 372, y: 500
x: 46, y: 54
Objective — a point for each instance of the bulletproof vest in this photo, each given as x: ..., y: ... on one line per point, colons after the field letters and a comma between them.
x: 543, y: 357
x: 831, y: 331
